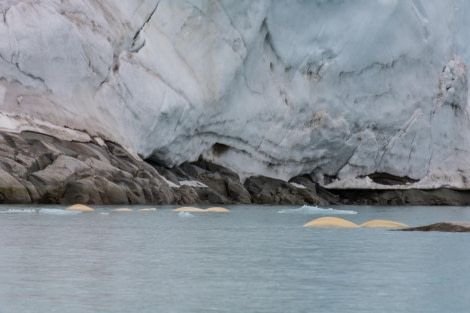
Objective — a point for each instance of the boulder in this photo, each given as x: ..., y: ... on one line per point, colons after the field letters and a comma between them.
x: 237, y: 192
x: 439, y: 196
x: 11, y: 190
x: 222, y: 184
x: 52, y: 181
x: 453, y: 227
x: 266, y: 190
x: 110, y: 192
x: 81, y: 191
x: 185, y: 195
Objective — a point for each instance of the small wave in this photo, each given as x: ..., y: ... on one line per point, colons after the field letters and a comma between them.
x: 18, y: 211
x: 184, y: 214
x: 58, y: 212
x: 306, y: 209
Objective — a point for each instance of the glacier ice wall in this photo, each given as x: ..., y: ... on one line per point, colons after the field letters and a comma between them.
x: 336, y: 89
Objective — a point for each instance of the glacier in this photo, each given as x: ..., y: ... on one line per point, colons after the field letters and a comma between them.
x: 338, y: 90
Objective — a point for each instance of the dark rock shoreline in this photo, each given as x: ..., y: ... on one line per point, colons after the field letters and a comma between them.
x: 36, y: 168
x: 449, y: 227
x: 40, y: 169
x: 439, y: 196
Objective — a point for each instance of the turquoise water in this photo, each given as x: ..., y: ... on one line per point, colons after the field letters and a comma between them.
x: 253, y: 259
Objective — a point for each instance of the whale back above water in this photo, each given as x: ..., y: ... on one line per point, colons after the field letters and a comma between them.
x: 330, y: 221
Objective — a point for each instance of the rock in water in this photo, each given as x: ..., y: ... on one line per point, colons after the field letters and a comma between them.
x: 453, y: 227
x: 275, y: 191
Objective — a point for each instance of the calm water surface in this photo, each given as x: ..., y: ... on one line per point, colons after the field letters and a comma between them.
x: 252, y: 259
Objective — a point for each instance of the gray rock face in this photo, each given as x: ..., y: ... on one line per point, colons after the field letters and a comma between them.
x: 36, y: 168
x: 274, y: 191
x: 452, y: 227
x: 11, y: 189
x: 216, y: 183
x: 440, y: 196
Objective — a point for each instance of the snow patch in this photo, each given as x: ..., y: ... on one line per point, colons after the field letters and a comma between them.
x: 192, y: 183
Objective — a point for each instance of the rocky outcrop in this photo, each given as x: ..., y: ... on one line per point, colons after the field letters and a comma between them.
x: 204, y: 182
x: 453, y: 227
x: 213, y: 183
x: 36, y: 168
x: 439, y: 196
x: 269, y: 190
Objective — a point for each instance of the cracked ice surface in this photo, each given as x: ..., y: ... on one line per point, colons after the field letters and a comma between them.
x: 339, y: 90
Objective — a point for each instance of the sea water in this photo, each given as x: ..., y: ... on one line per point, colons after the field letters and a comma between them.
x: 252, y: 259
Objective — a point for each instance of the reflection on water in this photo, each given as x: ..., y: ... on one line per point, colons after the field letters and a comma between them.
x: 249, y: 260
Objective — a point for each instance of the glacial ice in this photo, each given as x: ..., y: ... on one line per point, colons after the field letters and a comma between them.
x: 306, y: 209
x: 338, y: 90
x: 49, y: 211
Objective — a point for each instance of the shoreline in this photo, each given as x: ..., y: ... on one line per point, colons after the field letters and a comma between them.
x: 41, y: 169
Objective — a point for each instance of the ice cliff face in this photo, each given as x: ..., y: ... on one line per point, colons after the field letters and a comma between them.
x: 337, y: 89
